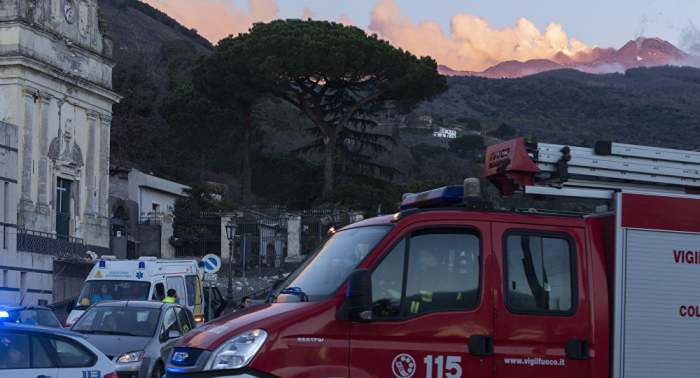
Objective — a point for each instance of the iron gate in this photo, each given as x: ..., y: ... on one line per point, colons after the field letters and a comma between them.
x: 268, y: 241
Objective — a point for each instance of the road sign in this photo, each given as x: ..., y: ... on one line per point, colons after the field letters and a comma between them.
x: 210, y: 277
x: 212, y: 263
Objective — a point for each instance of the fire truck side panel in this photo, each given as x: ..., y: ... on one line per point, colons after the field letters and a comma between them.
x: 541, y: 299
x: 656, y: 315
x: 598, y: 298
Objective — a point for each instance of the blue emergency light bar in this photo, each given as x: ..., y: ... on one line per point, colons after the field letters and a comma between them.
x: 102, y: 264
x: 4, y: 314
x: 444, y: 196
x: 142, y: 265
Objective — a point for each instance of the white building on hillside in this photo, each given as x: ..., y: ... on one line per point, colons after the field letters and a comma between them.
x: 445, y: 133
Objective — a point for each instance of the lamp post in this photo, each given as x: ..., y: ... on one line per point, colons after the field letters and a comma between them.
x: 284, y: 219
x: 231, y: 228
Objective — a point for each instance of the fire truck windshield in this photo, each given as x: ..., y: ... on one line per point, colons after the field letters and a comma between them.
x: 322, y: 273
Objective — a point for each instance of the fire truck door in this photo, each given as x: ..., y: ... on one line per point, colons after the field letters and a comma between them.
x: 541, y: 324
x: 431, y: 292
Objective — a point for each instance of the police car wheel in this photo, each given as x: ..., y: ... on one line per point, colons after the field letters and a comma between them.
x: 157, y: 370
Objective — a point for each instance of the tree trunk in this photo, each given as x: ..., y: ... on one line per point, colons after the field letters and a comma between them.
x: 328, y: 163
x: 247, y: 188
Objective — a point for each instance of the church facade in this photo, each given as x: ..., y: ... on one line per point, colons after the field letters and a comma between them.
x: 56, y: 88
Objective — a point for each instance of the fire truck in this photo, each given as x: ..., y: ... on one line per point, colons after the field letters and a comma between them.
x: 452, y: 286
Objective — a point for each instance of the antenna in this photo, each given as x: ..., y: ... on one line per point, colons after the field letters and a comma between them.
x: 41, y: 292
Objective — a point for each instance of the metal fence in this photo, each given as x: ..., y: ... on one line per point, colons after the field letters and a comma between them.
x: 151, y: 220
x: 50, y: 244
x: 267, y: 230
x: 208, y: 238
x: 316, y: 223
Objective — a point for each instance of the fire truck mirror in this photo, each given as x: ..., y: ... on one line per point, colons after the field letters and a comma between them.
x: 359, y: 295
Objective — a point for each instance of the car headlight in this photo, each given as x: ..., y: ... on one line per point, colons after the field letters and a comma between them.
x: 237, y: 351
x: 131, y: 357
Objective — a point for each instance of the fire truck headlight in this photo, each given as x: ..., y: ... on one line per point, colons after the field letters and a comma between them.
x: 237, y: 351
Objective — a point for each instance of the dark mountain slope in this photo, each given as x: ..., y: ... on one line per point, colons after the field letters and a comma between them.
x: 153, y: 54
x: 657, y: 106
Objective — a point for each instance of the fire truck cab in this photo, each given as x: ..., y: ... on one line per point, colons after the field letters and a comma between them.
x: 451, y: 287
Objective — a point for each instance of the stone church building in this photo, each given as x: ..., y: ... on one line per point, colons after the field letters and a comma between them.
x: 55, y: 109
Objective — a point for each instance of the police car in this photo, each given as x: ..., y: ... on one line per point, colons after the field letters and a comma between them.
x: 34, y: 351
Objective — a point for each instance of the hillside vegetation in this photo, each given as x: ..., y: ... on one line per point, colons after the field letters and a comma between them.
x: 657, y: 106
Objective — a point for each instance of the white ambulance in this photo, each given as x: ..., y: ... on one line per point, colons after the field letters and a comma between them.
x: 144, y: 279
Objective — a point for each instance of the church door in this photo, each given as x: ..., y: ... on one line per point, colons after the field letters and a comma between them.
x: 63, y: 208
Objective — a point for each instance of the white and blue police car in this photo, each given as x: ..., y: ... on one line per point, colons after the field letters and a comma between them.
x: 35, y: 351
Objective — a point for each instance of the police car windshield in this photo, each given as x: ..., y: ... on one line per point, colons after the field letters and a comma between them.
x: 327, y: 268
x: 95, y: 291
x: 119, y: 320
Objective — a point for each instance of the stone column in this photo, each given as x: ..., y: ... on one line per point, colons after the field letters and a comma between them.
x: 42, y: 208
x: 104, y: 166
x: 26, y: 210
x: 90, y: 164
x: 167, y: 251
x: 293, y: 238
x: 224, y: 240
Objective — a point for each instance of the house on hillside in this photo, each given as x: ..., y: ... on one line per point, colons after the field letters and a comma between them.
x: 445, y: 133
x: 426, y: 118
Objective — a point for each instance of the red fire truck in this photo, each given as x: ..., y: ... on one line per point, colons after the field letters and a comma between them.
x: 452, y: 287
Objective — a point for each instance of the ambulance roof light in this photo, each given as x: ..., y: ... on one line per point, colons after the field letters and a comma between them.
x: 102, y: 264
x: 148, y: 258
x: 142, y: 265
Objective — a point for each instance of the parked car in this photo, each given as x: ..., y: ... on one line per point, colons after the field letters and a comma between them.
x: 136, y: 335
x: 33, y: 315
x: 54, y: 353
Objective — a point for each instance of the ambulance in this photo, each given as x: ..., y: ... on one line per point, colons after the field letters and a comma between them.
x: 453, y: 286
x: 147, y: 278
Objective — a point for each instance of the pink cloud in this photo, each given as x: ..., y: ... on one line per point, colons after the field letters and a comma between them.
x: 308, y: 13
x: 216, y: 19
x: 473, y: 44
x: 344, y: 19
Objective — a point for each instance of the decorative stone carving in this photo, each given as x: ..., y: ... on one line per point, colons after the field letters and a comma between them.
x: 65, y: 154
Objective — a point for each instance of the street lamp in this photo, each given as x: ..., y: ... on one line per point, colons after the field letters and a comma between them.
x: 231, y: 228
x: 284, y: 219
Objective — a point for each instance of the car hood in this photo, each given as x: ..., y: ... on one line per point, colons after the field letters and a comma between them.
x: 116, y: 345
x: 268, y: 316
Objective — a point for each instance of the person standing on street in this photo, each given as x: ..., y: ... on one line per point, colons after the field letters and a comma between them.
x: 245, y: 302
x: 172, y: 297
